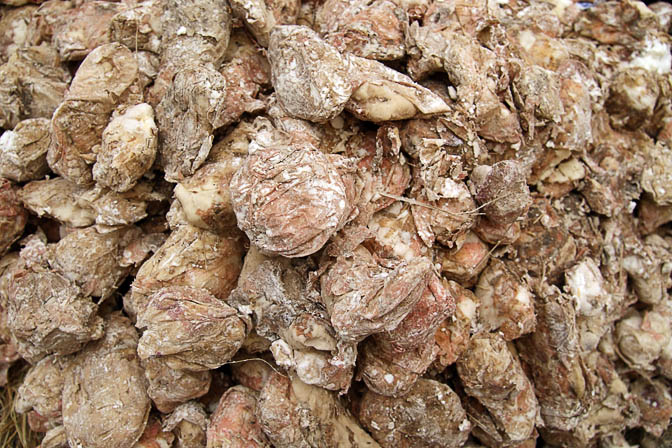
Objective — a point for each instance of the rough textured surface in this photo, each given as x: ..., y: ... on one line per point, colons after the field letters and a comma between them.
x: 308, y: 206
x: 364, y: 297
x: 105, y: 398
x: 80, y: 30
x: 188, y: 422
x: 205, y: 197
x: 372, y: 30
x: 49, y: 314
x: 429, y: 415
x: 154, y: 435
x: 101, y: 206
x: 383, y: 94
x: 128, y: 149
x: 168, y: 388
x: 13, y: 216
x: 505, y: 304
x: 289, y: 199
x: 189, y: 257
x: 189, y: 328
x: 23, y: 151
x: 93, y: 260
x: 506, y: 402
x: 189, y: 112
x: 32, y: 85
x: 42, y: 388
x: 294, y: 414
x: 234, y: 423
x: 286, y: 312
x: 311, y: 78
x: 78, y: 123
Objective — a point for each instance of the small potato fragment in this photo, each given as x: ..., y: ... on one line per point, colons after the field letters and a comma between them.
x: 77, y: 126
x: 32, y: 85
x: 383, y: 94
x: 633, y: 95
x: 93, y: 260
x: 643, y: 336
x: 42, y: 388
x: 446, y: 219
x: 505, y: 304
x: 8, y: 353
x: 429, y: 415
x: 14, y: 24
x: 189, y: 19
x: 78, y: 206
x: 391, y: 372
x: 436, y: 304
x: 234, y: 423
x: 391, y: 362
x: 128, y: 149
x: 105, y: 400
x: 502, y: 191
x: 13, y: 216
x: 205, y: 197
x: 257, y: 16
x: 104, y: 75
x: 168, y: 388
x: 155, y: 436
x: 655, y: 404
x: 190, y: 329
x: 296, y: 415
x: 552, y: 353
x: 465, y: 262
x: 373, y: 30
x: 102, y: 80
x: 138, y: 27
x: 80, y: 30
x: 252, y: 373
x: 23, y: 151
x: 55, y: 438
x: 311, y: 78
x: 192, y: 108
x: 188, y: 422
x: 452, y: 336
x: 507, y: 409
x: 658, y: 173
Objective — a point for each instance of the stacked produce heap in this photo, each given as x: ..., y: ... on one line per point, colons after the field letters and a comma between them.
x: 337, y: 223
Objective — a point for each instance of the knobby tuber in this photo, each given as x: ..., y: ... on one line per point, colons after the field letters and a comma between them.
x: 329, y: 223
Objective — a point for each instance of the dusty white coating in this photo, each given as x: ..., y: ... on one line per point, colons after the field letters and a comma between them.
x: 655, y: 57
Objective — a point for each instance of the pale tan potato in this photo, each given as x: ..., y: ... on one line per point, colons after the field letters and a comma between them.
x: 312, y: 79
x: 190, y: 329
x: 290, y: 199
x: 105, y: 400
x: 48, y: 314
x: 429, y: 415
x: 168, y: 388
x: 234, y: 423
x: 128, y: 149
x: 79, y: 121
x: 23, y: 151
x: 189, y: 257
x: 189, y: 423
x: 33, y: 83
